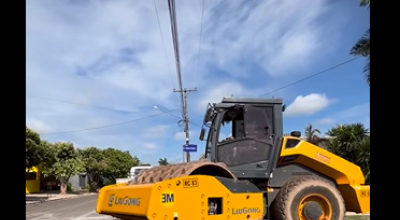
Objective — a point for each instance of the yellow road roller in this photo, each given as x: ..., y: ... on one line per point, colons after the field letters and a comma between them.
x: 255, y: 173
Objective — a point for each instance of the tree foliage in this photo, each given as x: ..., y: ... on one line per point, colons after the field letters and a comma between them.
x: 117, y: 163
x: 362, y: 47
x: 202, y: 156
x: 365, y: 3
x: 312, y: 135
x: 163, y: 162
x: 94, y: 164
x: 33, y: 149
x: 37, y: 152
x: 66, y: 163
x: 63, y: 160
x: 352, y: 142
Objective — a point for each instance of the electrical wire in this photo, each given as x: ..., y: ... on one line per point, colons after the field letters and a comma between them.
x: 200, y: 38
x: 163, y: 42
x: 106, y: 126
x: 110, y: 109
x: 181, y: 121
x: 311, y: 76
x: 80, y: 104
x: 175, y: 41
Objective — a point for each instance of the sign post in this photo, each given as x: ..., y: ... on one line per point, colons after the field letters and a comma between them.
x: 190, y: 148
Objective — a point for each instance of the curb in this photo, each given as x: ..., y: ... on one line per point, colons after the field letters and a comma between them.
x: 59, y: 199
x: 356, y: 214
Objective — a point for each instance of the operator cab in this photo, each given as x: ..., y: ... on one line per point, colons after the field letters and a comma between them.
x: 242, y: 133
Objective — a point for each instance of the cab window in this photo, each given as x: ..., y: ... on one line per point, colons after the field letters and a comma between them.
x: 232, y: 127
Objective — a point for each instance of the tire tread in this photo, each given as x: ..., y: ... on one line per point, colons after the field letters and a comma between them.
x: 279, y: 205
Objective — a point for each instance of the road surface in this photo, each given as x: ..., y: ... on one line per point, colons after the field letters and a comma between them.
x: 80, y: 208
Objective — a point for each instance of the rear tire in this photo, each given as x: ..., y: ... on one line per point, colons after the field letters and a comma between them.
x: 308, y: 198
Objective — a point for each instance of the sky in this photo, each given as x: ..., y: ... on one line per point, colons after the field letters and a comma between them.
x: 102, y: 72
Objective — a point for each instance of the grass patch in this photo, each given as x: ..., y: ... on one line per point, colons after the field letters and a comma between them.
x: 357, y: 218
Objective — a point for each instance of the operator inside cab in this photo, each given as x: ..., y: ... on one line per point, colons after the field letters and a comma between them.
x: 250, y: 139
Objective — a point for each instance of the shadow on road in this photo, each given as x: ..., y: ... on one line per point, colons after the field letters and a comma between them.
x: 49, y: 195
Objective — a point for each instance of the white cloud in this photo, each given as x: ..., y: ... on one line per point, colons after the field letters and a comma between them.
x: 358, y: 113
x: 215, y: 95
x: 181, y: 136
x: 151, y: 146
x: 157, y: 131
x: 217, y: 91
x: 37, y: 125
x: 326, y: 121
x: 307, y: 105
x: 355, y: 111
x: 109, y: 53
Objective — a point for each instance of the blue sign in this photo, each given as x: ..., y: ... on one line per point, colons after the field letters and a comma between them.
x: 190, y: 148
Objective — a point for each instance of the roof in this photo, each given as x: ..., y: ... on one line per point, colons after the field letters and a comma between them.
x: 251, y: 100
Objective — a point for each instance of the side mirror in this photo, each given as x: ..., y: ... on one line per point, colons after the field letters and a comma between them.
x: 202, y: 133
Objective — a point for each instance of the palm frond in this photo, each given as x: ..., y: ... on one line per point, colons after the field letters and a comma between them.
x: 362, y: 47
x: 367, y: 70
x: 365, y: 3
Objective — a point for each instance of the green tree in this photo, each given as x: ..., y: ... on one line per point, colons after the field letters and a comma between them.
x: 66, y: 163
x: 163, y: 162
x: 351, y: 142
x: 33, y: 149
x: 118, y: 163
x: 364, y: 158
x: 312, y: 135
x: 94, y: 164
x: 362, y: 47
x: 202, y: 156
x: 48, y: 154
x: 37, y: 151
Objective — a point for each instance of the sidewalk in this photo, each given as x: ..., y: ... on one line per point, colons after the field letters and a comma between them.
x: 353, y: 214
x: 52, y: 196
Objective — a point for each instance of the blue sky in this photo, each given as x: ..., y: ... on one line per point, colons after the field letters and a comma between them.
x: 110, y: 54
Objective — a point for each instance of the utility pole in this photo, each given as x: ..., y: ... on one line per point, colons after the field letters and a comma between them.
x: 185, y: 117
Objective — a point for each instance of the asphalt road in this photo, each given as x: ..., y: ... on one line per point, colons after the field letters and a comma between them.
x: 80, y: 208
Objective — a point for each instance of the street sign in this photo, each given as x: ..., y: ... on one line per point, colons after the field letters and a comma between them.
x: 190, y: 148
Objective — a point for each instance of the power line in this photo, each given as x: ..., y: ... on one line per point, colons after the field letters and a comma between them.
x: 163, y: 42
x: 311, y: 76
x: 201, y: 33
x: 183, y: 92
x: 175, y: 41
x: 181, y: 121
x: 110, y: 109
x: 80, y: 104
x: 106, y: 126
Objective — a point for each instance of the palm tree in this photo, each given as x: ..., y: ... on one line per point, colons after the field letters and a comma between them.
x: 352, y: 142
x: 362, y: 47
x: 364, y: 158
x: 312, y: 136
x: 163, y: 162
x: 365, y: 3
x: 202, y: 157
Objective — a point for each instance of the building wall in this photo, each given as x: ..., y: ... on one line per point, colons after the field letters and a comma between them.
x: 78, y: 182
x: 33, y: 180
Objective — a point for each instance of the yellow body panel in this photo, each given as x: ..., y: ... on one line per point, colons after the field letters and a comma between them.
x: 356, y: 198
x: 325, y: 162
x: 172, y: 198
x: 33, y: 186
x: 348, y: 176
